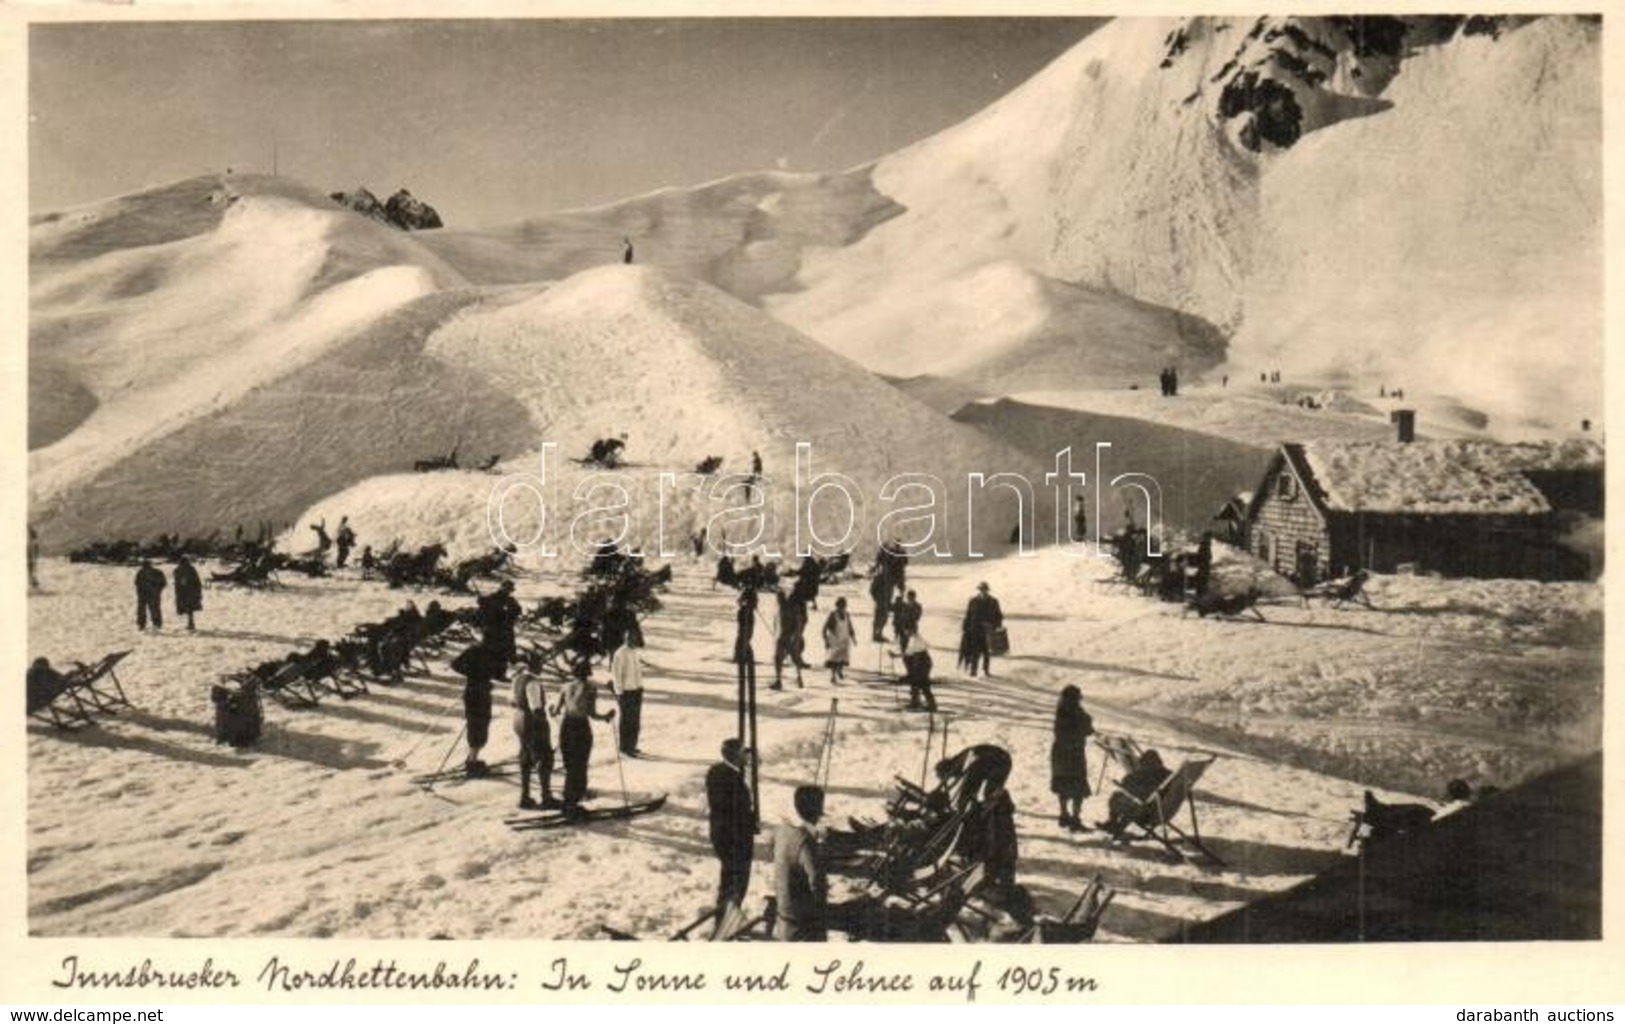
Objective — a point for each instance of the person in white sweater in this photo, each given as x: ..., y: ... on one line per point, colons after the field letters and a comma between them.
x: 626, y: 678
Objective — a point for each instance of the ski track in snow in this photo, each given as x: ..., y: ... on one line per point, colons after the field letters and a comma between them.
x: 317, y: 832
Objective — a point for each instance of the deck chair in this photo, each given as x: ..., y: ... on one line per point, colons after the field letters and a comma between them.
x: 1157, y: 817
x: 1231, y: 606
x: 1122, y: 751
x: 910, y: 861
x: 1338, y: 593
x: 98, y: 684
x: 59, y: 702
x: 287, y: 683
x: 1079, y: 923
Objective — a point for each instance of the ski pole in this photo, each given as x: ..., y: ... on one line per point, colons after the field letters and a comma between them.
x: 400, y: 762
x: 615, y: 731
x: 930, y: 734
x: 449, y: 751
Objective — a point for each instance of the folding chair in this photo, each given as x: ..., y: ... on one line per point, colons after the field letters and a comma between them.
x: 287, y: 683
x: 91, y: 681
x: 1155, y: 816
x: 58, y: 702
x: 1121, y: 750
x: 1080, y: 922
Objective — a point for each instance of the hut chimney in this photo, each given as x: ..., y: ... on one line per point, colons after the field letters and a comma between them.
x: 1405, y: 422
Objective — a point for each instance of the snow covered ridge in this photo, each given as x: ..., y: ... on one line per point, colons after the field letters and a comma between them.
x: 1443, y: 477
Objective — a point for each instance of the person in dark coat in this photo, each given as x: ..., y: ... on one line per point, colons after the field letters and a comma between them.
x: 906, y: 615
x: 745, y: 654
x: 479, y: 666
x: 578, y: 705
x: 344, y: 542
x: 498, y: 614
x: 188, y: 591
x: 889, y: 573
x: 1080, y: 520
x: 733, y: 826
x: 149, y: 588
x: 725, y: 572
x: 982, y: 615
x: 1135, y: 788
x: 1068, y: 769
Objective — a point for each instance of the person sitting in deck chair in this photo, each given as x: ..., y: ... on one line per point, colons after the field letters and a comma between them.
x: 1137, y: 787
x: 44, y: 682
x: 973, y: 775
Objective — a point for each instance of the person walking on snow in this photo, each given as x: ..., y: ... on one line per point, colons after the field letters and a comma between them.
x: 839, y: 637
x: 982, y: 616
x: 188, y: 591
x: 149, y: 588
x: 917, y: 669
x: 626, y: 251
x: 790, y: 640
x: 626, y: 679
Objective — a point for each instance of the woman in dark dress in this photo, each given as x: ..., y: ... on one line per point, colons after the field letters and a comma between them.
x: 1068, y: 768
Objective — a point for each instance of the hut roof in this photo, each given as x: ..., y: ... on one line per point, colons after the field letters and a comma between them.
x: 1434, y: 477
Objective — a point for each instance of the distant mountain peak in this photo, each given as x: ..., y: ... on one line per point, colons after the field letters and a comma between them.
x: 402, y: 210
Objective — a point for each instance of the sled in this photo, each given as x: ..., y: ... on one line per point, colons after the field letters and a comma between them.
x: 587, y: 816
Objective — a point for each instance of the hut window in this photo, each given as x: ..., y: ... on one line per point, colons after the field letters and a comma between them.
x: 1286, y: 488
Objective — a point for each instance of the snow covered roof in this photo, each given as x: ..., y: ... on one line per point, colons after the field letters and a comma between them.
x: 1436, y: 477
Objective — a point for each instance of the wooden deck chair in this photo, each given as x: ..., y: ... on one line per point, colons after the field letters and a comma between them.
x: 1230, y: 606
x: 58, y: 702
x: 1157, y: 817
x: 1337, y: 593
x: 909, y: 860
x: 1120, y: 750
x: 288, y: 684
x: 98, y: 684
x: 1080, y: 922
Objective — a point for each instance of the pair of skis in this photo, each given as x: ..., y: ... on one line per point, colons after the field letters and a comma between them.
x: 543, y: 820
x: 495, y: 770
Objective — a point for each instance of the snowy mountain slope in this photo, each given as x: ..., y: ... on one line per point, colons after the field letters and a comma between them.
x: 744, y: 233
x: 168, y: 305
x: 685, y: 372
x: 371, y: 403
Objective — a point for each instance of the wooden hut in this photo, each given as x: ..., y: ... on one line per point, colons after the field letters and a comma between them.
x: 1458, y: 508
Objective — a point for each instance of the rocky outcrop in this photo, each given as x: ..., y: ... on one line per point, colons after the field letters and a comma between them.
x: 1288, y: 77
x: 409, y: 213
x: 402, y: 210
